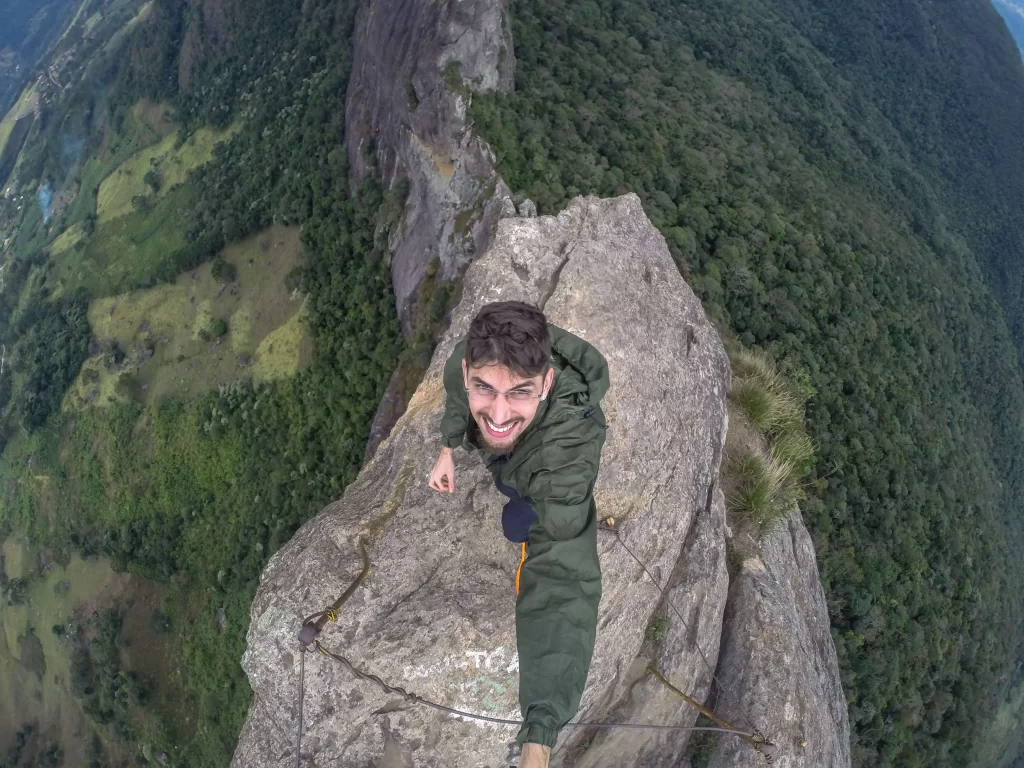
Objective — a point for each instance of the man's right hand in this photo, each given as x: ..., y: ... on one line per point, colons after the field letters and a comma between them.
x: 535, y: 756
x: 443, y: 476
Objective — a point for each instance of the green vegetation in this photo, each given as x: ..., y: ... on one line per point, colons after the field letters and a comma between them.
x: 194, y: 474
x: 135, y: 251
x: 52, y: 342
x: 22, y: 108
x: 767, y: 452
x: 156, y: 168
x: 69, y: 238
x: 24, y: 749
x: 223, y: 271
x: 201, y: 492
x: 656, y: 628
x: 790, y: 206
x: 161, y: 342
x: 42, y: 630
x: 110, y: 693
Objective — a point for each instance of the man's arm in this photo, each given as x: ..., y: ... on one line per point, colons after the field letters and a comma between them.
x: 560, y: 589
x: 456, y: 404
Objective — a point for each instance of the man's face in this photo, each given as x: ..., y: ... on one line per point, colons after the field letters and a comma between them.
x: 502, y: 419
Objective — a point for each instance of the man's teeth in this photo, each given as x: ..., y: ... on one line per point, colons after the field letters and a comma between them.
x: 496, y: 429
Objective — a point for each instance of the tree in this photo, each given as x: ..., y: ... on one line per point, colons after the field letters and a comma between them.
x: 224, y: 271
x: 153, y: 179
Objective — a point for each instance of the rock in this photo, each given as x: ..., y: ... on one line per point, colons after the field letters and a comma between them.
x: 388, y: 412
x: 415, y: 67
x: 528, y: 209
x: 778, y: 664
x: 436, y: 614
x: 686, y: 656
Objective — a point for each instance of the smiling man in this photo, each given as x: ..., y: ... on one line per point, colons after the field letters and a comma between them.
x: 526, y: 395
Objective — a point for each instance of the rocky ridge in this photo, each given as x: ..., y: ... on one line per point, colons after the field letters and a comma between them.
x: 436, y: 613
x: 415, y: 68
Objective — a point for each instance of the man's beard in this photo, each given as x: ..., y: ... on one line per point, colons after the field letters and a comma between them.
x: 484, y: 440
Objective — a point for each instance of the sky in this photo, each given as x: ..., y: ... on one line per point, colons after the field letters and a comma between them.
x: 1013, y: 12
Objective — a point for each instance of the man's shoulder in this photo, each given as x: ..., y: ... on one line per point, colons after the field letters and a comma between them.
x: 570, y: 441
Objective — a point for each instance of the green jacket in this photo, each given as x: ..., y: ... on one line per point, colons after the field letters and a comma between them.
x: 554, y: 466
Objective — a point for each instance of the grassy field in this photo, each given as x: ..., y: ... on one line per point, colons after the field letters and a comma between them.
x: 16, y: 564
x: 171, y: 165
x: 34, y: 662
x: 71, y: 25
x: 147, y: 124
x: 27, y: 101
x: 158, y: 116
x: 5, y: 133
x: 67, y: 239
x: 91, y: 22
x: 128, y: 251
x: 25, y: 104
x: 168, y: 334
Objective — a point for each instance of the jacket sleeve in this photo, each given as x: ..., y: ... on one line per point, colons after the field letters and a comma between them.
x: 560, y: 589
x: 456, y: 404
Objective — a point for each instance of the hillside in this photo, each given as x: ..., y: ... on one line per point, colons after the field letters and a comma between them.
x: 198, y: 319
x: 197, y: 325
x: 28, y: 30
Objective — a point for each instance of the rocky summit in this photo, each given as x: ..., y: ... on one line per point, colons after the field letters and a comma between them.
x: 435, y: 616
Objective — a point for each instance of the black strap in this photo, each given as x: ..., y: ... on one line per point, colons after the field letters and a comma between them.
x: 591, y: 413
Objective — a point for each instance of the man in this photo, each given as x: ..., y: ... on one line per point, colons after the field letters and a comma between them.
x: 526, y: 394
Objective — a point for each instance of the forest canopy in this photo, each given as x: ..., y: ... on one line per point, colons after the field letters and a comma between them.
x: 815, y: 235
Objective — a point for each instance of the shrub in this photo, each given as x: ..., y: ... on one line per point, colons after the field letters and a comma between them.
x: 224, y: 271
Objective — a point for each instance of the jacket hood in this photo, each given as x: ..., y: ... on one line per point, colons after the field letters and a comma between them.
x: 584, y: 371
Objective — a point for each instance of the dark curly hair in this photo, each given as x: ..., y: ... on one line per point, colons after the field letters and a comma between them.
x: 510, y: 333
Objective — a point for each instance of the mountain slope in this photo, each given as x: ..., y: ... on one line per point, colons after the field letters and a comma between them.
x: 27, y: 31
x: 223, y: 371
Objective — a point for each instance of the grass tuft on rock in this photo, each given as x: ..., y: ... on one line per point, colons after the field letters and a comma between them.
x: 767, y: 451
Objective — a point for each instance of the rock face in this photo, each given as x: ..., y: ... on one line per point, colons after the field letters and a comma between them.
x: 685, y: 655
x: 436, y: 614
x: 778, y: 665
x: 416, y: 64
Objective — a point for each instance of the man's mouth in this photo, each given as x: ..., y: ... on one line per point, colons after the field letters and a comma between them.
x: 495, y: 432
